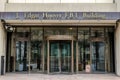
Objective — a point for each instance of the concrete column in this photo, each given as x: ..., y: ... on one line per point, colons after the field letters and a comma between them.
x: 117, y: 49
x: 118, y: 4
x: 2, y: 45
x: 2, y: 5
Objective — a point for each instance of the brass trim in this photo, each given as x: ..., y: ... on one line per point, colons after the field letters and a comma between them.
x: 60, y: 37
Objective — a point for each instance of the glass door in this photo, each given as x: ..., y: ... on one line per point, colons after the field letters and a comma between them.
x: 60, y: 56
x: 21, y: 45
x: 36, y: 56
x: 54, y: 57
x: 21, y: 56
x: 98, y: 56
x: 65, y: 48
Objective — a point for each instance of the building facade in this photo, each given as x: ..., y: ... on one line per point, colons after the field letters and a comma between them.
x: 56, y: 38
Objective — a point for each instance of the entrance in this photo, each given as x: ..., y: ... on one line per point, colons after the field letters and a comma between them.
x: 60, y: 53
x: 60, y: 56
x: 61, y: 50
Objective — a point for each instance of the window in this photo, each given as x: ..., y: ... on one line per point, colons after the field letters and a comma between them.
x: 60, y: 1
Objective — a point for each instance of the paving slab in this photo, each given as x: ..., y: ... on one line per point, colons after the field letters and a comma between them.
x: 15, y: 76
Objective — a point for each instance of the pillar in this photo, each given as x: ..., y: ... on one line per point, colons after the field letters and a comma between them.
x: 117, y: 49
x: 2, y: 47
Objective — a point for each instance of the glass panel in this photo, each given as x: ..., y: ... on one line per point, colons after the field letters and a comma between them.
x: 60, y: 51
x: 60, y: 31
x: 45, y: 55
x: 98, y: 56
x: 36, y: 49
x: 97, y: 32
x: 22, y: 56
x: 83, y: 48
x: 22, y: 48
x: 74, y: 55
x: 60, y: 56
x: 65, y: 56
x: 54, y: 57
x: 36, y: 56
x: 110, y: 44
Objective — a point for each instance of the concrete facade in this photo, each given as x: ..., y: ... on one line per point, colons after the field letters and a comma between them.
x: 2, y: 5
x: 118, y: 5
x: 62, y: 7
x: 109, y: 7
x: 96, y: 7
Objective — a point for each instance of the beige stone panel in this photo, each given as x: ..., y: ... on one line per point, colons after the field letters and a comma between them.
x: 2, y: 5
x: 61, y: 7
x: 117, y: 49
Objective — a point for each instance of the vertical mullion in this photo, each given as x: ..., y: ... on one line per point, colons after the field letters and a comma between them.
x: 43, y: 60
x: 29, y: 51
x: 72, y: 59
x: 14, y: 49
x: 48, y: 67
x: 77, y: 57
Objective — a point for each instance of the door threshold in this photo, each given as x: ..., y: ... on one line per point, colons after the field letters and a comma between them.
x: 68, y: 73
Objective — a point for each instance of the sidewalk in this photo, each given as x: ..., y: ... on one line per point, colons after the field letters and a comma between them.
x: 13, y: 76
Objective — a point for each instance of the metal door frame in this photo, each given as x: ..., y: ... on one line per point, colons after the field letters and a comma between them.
x: 105, y: 51
x: 60, y: 37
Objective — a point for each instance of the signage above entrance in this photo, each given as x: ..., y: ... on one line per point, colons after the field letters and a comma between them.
x: 60, y: 15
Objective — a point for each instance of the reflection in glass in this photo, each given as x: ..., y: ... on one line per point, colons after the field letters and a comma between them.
x: 98, y: 56
x: 22, y: 49
x: 83, y: 48
x: 54, y: 57
x: 36, y: 49
x: 97, y: 32
x: 60, y: 56
x: 31, y: 47
x: 61, y: 31
x: 21, y: 55
x: 65, y: 57
x: 36, y: 61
